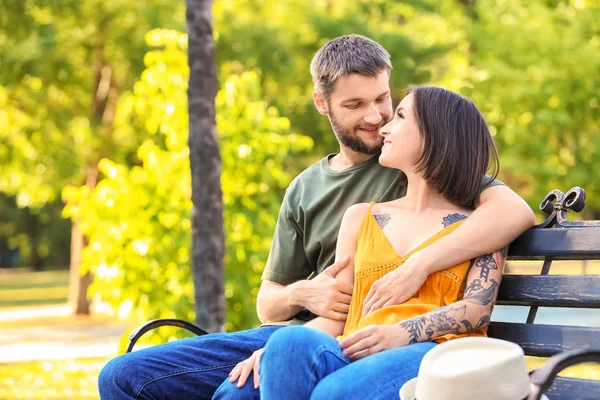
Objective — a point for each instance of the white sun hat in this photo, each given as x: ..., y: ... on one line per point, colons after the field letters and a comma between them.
x: 473, y: 368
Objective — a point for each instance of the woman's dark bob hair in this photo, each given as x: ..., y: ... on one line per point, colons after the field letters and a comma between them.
x: 458, y: 147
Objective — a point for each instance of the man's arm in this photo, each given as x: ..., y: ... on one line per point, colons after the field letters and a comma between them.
x: 324, y: 295
x: 327, y: 295
x: 285, y: 290
x: 500, y: 217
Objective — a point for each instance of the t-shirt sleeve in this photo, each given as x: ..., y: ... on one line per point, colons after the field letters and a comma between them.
x: 486, y: 184
x: 287, y: 261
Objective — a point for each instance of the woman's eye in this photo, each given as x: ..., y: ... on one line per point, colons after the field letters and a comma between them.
x: 399, y: 114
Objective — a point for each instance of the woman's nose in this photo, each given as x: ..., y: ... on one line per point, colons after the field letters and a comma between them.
x: 385, y: 130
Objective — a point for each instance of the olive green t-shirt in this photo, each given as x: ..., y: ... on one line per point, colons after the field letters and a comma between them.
x: 311, y: 214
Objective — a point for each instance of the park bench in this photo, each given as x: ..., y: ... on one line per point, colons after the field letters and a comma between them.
x: 554, y: 239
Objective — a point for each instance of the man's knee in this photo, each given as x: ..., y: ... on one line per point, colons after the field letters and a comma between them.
x: 113, y: 380
x: 230, y: 391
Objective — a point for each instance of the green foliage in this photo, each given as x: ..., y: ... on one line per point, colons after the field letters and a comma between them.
x: 138, y: 219
x: 52, y: 56
x: 532, y: 67
x: 534, y: 72
x: 417, y: 34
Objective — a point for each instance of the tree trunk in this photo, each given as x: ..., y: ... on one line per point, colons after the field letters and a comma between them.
x: 34, y: 233
x: 102, y: 114
x: 78, y: 284
x: 208, y: 244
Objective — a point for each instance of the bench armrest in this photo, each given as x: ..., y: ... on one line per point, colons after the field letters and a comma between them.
x: 156, y: 323
x: 543, y: 377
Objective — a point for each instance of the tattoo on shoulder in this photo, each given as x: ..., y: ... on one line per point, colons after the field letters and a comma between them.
x: 382, y: 219
x: 452, y: 218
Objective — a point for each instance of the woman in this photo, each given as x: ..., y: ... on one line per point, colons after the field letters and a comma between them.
x: 442, y: 143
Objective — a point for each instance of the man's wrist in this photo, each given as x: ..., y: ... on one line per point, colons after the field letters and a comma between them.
x: 296, y: 299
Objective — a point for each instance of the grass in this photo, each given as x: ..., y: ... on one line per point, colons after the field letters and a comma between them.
x: 49, y: 380
x: 33, y: 288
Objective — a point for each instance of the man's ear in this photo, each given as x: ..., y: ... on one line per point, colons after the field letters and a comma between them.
x: 320, y: 103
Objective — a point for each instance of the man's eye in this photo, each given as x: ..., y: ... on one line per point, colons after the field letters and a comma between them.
x: 353, y: 106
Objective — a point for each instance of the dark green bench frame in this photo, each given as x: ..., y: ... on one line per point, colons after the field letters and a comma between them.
x: 554, y: 239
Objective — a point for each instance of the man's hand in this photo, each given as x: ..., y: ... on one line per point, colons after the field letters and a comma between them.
x: 327, y: 297
x: 241, y: 372
x: 397, y: 286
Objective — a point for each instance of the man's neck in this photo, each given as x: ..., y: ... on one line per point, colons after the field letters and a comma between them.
x: 347, y: 158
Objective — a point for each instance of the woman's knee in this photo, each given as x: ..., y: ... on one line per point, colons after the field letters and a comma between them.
x: 294, y: 337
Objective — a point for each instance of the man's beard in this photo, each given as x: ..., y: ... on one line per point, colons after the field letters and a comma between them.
x: 351, y: 139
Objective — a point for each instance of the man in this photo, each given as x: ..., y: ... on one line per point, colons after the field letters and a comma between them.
x: 351, y: 77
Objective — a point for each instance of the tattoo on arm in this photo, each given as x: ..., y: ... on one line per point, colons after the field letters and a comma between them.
x: 483, y: 297
x: 483, y: 322
x: 473, y: 287
x: 452, y: 218
x: 453, y: 319
x: 486, y: 263
x: 382, y: 219
x: 440, y: 322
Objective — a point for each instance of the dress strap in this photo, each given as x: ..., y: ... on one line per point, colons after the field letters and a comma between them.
x: 370, y: 211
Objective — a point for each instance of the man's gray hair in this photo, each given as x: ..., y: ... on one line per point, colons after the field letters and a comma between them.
x: 346, y: 55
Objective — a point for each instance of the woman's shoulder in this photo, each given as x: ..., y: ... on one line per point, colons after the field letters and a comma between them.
x: 358, y: 211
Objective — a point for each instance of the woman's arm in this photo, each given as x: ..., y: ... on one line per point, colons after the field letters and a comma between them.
x: 467, y: 315
x: 346, y: 246
x: 471, y: 313
x: 500, y: 217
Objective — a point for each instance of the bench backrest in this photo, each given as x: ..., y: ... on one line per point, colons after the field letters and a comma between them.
x: 555, y: 239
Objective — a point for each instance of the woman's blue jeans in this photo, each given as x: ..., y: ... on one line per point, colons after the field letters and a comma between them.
x: 303, y: 363
x: 184, y: 369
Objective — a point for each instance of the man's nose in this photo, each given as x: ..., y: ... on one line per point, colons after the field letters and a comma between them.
x: 374, y: 116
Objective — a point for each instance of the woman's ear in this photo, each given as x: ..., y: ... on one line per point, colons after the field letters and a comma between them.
x: 320, y: 103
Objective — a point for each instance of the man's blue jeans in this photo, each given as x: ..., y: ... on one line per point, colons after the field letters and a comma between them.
x: 302, y: 363
x: 184, y: 369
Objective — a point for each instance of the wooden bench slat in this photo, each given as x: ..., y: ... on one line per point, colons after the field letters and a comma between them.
x: 571, y: 389
x: 580, y: 291
x: 545, y: 340
x: 558, y: 243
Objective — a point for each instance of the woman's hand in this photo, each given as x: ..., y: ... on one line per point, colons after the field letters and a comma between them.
x: 241, y: 372
x: 397, y: 286
x: 373, y: 339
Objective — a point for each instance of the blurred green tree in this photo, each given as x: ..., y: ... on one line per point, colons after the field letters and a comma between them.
x: 534, y: 69
x: 64, y: 65
x: 138, y: 219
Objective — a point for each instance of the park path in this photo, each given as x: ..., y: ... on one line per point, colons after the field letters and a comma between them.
x: 51, y: 333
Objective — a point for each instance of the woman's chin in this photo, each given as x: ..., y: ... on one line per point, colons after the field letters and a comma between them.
x: 384, y: 160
